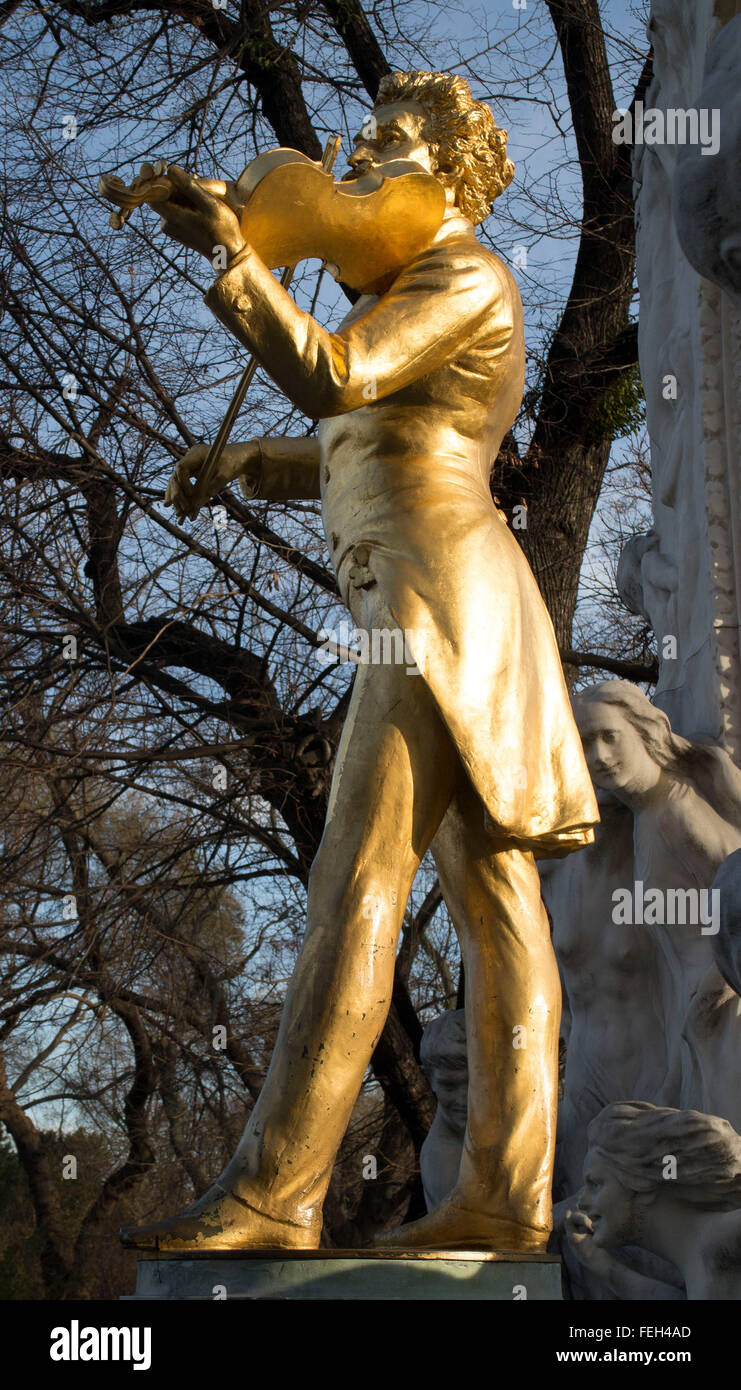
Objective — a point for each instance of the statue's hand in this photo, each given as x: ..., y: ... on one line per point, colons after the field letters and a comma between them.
x: 243, y: 461
x: 198, y: 217
x: 578, y: 1228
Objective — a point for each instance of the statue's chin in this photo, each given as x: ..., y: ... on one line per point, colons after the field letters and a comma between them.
x: 603, y: 1237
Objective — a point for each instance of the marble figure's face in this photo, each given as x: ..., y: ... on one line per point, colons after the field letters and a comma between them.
x: 617, y: 758
x: 449, y: 1081
x: 608, y: 1204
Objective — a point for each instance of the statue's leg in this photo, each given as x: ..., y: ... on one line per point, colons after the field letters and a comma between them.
x: 502, y: 1198
x: 394, y: 776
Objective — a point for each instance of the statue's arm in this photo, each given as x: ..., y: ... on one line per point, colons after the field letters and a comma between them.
x: 623, y: 1283
x: 628, y: 1284
x: 289, y: 471
x: 277, y: 470
x: 434, y: 307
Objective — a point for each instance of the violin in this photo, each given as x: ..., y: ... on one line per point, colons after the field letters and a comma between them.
x: 365, y: 228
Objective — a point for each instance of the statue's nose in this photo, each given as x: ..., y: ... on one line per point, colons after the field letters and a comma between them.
x: 360, y: 159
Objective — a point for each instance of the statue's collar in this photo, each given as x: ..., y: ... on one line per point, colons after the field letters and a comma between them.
x: 454, y: 224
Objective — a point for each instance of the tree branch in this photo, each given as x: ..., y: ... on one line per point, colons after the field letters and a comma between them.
x: 351, y: 23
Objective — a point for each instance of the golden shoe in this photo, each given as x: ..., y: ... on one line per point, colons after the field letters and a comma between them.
x: 453, y: 1227
x: 222, y: 1221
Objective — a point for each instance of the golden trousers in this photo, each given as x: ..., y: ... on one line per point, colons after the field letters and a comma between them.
x: 398, y: 789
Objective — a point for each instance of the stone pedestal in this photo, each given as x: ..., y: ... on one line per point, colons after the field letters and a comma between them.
x: 348, y: 1274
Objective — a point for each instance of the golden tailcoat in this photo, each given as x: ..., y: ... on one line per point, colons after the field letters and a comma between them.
x: 414, y: 393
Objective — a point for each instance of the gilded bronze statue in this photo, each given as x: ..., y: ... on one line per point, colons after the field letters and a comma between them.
x: 479, y: 760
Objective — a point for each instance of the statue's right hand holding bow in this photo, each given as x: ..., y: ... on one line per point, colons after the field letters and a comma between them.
x: 243, y: 461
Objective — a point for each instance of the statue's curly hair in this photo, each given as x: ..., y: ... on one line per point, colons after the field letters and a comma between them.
x: 468, y: 147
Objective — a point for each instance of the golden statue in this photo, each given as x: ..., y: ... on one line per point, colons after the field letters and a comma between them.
x: 479, y: 760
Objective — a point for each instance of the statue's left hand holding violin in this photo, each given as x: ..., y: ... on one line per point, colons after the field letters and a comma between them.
x: 198, y: 215
x: 202, y: 214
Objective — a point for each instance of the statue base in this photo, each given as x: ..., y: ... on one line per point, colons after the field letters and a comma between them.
x: 347, y: 1274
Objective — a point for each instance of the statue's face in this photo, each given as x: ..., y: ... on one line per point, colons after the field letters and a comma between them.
x: 392, y: 132
x: 449, y: 1081
x: 616, y: 755
x: 609, y: 1206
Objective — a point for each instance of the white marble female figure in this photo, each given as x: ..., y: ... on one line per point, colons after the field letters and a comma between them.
x: 668, y: 1181
x: 444, y: 1061
x: 685, y: 800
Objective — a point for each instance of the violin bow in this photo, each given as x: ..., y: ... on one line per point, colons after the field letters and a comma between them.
x: 203, y: 485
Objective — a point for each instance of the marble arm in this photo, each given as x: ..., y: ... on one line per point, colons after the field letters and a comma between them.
x: 623, y: 1282
x: 626, y: 1283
